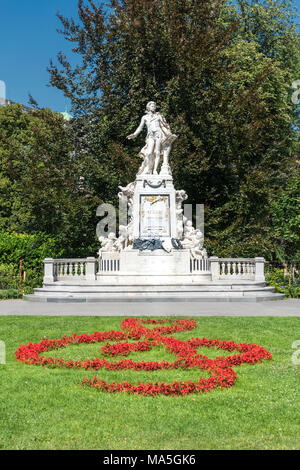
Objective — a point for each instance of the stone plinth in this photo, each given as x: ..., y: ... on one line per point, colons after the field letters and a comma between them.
x: 171, y: 263
x: 158, y: 262
x: 154, y: 207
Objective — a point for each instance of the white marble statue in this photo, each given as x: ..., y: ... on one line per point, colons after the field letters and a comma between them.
x: 197, y: 251
x: 126, y: 193
x: 158, y: 145
x: 125, y: 239
x: 122, y: 241
x: 193, y: 240
x: 188, y: 230
x: 180, y: 197
x: 159, y: 141
x: 107, y: 243
x: 112, y: 244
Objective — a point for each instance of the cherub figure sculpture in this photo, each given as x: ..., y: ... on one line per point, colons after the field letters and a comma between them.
x: 107, y: 243
x: 193, y: 240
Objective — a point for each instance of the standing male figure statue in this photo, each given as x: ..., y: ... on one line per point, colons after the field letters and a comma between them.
x: 159, y: 140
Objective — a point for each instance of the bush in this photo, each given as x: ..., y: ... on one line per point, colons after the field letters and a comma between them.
x: 287, y: 284
x: 275, y: 277
x: 31, y: 249
x: 10, y: 294
x: 11, y: 284
x: 8, y: 276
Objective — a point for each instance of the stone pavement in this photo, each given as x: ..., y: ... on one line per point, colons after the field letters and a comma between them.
x: 279, y: 308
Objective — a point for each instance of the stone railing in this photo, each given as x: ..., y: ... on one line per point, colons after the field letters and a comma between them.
x: 199, y: 265
x: 86, y: 268
x: 69, y: 269
x: 109, y: 262
x: 237, y: 268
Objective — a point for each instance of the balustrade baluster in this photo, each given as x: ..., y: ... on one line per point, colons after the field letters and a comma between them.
x: 228, y: 268
x: 223, y: 269
x: 240, y: 268
x: 74, y: 269
x: 234, y: 269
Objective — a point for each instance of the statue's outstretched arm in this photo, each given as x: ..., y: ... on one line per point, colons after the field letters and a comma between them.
x: 138, y: 130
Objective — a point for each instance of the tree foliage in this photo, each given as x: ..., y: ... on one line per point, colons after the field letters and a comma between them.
x: 286, y: 216
x: 221, y: 73
x: 41, y: 186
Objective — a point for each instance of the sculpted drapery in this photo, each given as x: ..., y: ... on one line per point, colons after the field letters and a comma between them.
x: 159, y: 141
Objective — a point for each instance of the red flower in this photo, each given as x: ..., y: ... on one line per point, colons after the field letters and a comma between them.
x: 220, y: 368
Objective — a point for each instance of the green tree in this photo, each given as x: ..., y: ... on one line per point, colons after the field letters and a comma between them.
x: 41, y: 186
x: 221, y: 74
x: 286, y: 219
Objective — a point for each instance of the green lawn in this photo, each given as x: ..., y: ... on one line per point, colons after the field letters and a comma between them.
x: 45, y: 408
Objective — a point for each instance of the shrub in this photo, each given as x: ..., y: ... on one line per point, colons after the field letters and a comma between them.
x: 8, y: 276
x: 10, y: 294
x: 31, y: 249
x: 287, y: 284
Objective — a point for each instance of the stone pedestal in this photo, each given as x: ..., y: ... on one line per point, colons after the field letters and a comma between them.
x: 49, y: 276
x: 90, y: 274
x: 158, y: 262
x: 158, y: 254
x: 154, y: 207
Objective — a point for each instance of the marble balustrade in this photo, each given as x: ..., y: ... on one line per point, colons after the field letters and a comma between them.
x: 86, y: 268
x: 199, y: 265
x: 237, y: 268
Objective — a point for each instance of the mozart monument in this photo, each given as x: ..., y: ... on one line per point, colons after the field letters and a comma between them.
x: 159, y: 255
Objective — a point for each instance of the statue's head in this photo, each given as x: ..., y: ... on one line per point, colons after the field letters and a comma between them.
x: 151, y: 106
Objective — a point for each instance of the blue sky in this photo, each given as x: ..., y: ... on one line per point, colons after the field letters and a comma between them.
x: 28, y: 41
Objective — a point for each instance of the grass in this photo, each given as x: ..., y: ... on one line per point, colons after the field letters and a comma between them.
x: 45, y: 408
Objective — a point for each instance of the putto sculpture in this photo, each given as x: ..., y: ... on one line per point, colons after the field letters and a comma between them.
x: 159, y: 141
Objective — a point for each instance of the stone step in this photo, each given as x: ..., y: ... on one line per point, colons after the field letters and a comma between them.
x: 206, y: 282
x: 151, y: 294
x: 122, y: 299
x: 93, y: 291
x: 179, y: 296
x: 165, y: 288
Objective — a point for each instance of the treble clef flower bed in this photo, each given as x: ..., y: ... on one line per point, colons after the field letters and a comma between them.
x: 136, y: 336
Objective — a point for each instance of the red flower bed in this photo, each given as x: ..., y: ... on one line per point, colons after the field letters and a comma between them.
x: 144, y: 339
